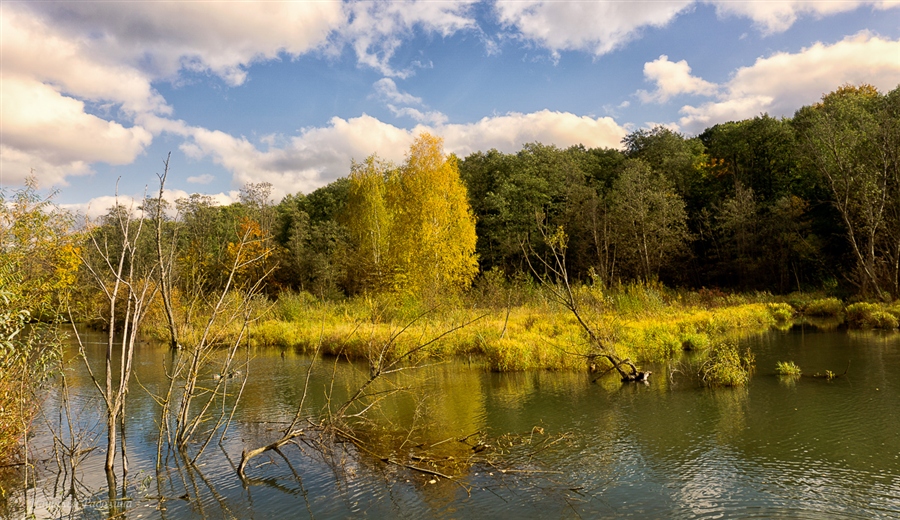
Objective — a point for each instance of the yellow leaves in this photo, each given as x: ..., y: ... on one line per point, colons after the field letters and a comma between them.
x: 37, y: 245
x: 252, y: 248
x: 413, y: 227
x: 68, y: 261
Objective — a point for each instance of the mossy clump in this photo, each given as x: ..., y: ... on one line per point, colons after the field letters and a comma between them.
x: 787, y: 368
x: 825, y: 307
x: 695, y: 341
x: 781, y: 312
x: 864, y: 315
x: 727, y: 366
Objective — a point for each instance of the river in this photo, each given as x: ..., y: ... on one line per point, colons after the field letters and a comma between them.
x: 568, y: 447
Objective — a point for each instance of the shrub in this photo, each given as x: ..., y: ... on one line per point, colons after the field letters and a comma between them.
x: 293, y: 306
x: 824, y: 307
x: 695, y: 341
x: 787, y: 368
x: 782, y: 312
x: 884, y: 320
x: 870, y: 315
x: 725, y: 366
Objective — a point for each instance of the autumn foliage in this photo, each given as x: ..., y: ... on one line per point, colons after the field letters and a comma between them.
x: 412, y: 226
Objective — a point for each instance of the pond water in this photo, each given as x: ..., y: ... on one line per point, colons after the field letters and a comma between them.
x: 799, y: 448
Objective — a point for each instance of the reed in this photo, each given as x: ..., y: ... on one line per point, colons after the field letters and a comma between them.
x: 864, y: 315
x: 787, y: 368
x: 508, y: 331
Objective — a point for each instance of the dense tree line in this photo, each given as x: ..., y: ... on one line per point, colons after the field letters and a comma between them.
x: 801, y: 203
x: 798, y: 203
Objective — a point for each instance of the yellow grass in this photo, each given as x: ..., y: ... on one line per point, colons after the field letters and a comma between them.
x: 536, y: 334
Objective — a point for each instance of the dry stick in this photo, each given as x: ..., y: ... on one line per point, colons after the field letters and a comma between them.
x: 186, y: 426
x: 240, y: 393
x: 164, y: 273
x: 566, y: 298
x: 223, y: 380
x: 290, y: 432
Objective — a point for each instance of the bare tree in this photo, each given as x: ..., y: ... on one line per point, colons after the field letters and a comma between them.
x: 383, y: 362
x: 554, y: 277
x: 126, y: 285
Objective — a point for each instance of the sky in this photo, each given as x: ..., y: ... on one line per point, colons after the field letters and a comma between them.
x: 95, y: 95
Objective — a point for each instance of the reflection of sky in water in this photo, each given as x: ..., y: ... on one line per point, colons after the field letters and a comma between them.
x: 807, y: 450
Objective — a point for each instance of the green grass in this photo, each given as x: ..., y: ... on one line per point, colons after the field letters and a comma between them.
x: 642, y: 323
x: 864, y: 315
x: 825, y: 307
x: 787, y: 368
x: 725, y: 365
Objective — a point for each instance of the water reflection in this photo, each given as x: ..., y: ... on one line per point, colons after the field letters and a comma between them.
x: 561, y: 445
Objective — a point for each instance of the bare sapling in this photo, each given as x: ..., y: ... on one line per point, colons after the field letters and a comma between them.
x: 554, y: 278
x: 383, y: 362
x: 166, y: 259
x: 115, y: 270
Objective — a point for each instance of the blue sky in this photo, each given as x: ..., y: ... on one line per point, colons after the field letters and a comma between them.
x: 97, y: 93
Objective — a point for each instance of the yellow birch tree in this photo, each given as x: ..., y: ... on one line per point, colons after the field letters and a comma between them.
x: 368, y: 219
x: 433, y: 231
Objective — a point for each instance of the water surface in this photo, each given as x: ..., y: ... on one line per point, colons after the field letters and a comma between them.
x: 798, y: 448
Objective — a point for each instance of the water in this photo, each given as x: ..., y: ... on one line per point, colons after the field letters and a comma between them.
x: 806, y: 448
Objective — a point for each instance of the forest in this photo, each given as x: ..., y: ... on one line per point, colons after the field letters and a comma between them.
x: 619, y: 255
x: 779, y: 205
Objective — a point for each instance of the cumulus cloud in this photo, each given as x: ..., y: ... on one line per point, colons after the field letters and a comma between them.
x: 509, y: 132
x: 672, y: 79
x: 317, y: 156
x: 52, y: 133
x: 302, y: 163
x: 376, y: 29
x: 773, y: 17
x: 65, y: 55
x: 99, y: 206
x: 601, y: 27
x: 783, y: 82
x: 596, y: 27
x: 223, y: 38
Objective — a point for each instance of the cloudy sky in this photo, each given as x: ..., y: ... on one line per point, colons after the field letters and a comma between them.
x: 97, y: 93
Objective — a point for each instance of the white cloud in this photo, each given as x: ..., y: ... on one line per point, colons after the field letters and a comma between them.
x: 33, y: 49
x: 100, y: 206
x: 595, y: 27
x: 201, y: 179
x: 429, y: 117
x: 772, y: 17
x: 377, y: 28
x: 52, y: 133
x: 162, y: 38
x: 782, y: 83
x: 388, y: 93
x: 672, y: 79
x: 509, y: 132
x: 601, y: 27
x: 318, y: 156
x: 387, y: 90
x: 307, y: 161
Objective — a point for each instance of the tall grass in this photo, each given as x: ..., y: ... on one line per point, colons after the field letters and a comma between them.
x: 510, y: 325
x: 871, y: 315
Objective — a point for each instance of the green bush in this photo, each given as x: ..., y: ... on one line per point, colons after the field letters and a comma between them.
x: 824, y: 307
x: 870, y: 315
x: 787, y: 368
x: 782, y: 312
x: 725, y: 366
x: 293, y: 306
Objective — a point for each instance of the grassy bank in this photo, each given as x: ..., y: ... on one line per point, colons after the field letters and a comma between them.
x: 512, y: 328
x: 642, y: 323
